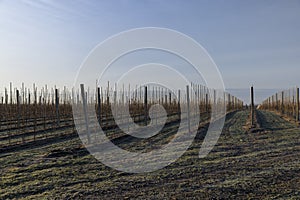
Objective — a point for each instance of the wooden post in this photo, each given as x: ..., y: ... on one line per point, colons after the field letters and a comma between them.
x: 99, y: 104
x: 215, y: 97
x: 7, y: 109
x: 282, y: 102
x: 146, y: 105
x: 1, y: 111
x: 225, y: 104
x: 233, y: 102
x: 166, y: 100
x: 57, y: 107
x: 293, y: 103
x: 129, y: 95
x: 198, y: 95
x: 115, y: 94
x: 29, y: 100
x: 277, y: 104
x: 252, y: 107
x: 107, y: 95
x: 188, y: 107
x: 297, y: 104
x: 84, y: 101
x: 35, y: 111
x: 178, y: 105
x: 10, y: 88
x: 229, y: 102
x: 18, y: 109
x: 6, y: 97
x: 123, y: 96
x: 206, y: 102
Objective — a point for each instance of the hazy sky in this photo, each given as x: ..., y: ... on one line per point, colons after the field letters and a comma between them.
x: 252, y: 42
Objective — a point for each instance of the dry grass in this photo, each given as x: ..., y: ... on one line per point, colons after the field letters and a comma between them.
x: 261, y: 165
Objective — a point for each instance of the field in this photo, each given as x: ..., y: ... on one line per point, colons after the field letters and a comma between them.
x: 262, y: 164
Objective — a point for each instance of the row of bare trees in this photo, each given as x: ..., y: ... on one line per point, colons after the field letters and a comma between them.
x: 285, y: 102
x: 30, y: 114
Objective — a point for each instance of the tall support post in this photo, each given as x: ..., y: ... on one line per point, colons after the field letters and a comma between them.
x: 178, y: 105
x: 18, y: 109
x: 6, y: 97
x: 188, y: 107
x: 57, y: 107
x: 166, y: 100
x: 35, y: 110
x: 107, y: 94
x: 99, y: 104
x: 10, y: 91
x: 73, y: 102
x: 297, y: 104
x: 84, y: 101
x: 123, y: 96
x: 206, y: 102
x: 215, y: 97
x: 146, y: 105
x: 229, y: 102
x: 282, y: 102
x: 277, y: 104
x: 252, y: 106
x: 225, y: 103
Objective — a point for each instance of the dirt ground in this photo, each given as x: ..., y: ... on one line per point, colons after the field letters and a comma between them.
x: 261, y: 165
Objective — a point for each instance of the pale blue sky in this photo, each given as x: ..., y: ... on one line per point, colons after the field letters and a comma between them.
x: 252, y: 42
